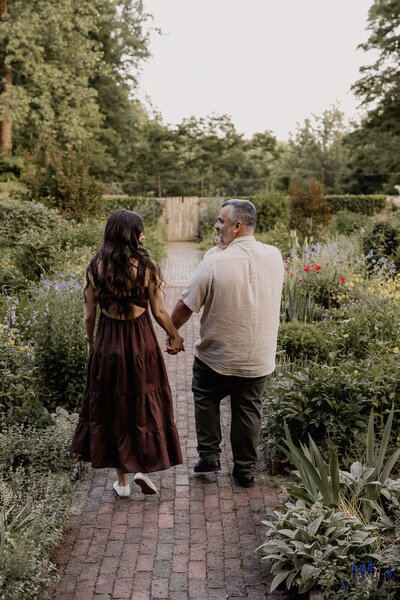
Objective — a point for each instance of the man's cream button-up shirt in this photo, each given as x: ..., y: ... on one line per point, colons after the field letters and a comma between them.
x: 240, y: 289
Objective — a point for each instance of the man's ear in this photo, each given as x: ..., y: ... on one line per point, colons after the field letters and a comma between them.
x: 238, y: 226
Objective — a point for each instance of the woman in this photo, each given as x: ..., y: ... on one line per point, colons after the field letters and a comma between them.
x: 126, y: 420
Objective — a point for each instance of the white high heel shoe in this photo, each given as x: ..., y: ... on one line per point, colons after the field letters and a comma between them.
x: 145, y: 483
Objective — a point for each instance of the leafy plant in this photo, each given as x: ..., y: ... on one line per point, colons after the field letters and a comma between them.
x: 381, y: 241
x: 358, y: 492
x: 62, y: 179
x: 302, y: 340
x: 312, y: 546
x: 331, y: 401
x: 55, y: 315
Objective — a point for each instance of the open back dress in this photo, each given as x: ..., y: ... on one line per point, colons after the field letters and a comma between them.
x: 126, y: 419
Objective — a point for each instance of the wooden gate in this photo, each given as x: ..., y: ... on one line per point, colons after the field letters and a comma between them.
x: 182, y: 218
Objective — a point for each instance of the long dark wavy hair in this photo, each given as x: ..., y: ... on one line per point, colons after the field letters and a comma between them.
x: 111, y: 267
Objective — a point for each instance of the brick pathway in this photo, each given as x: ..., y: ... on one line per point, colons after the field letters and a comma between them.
x: 197, y: 538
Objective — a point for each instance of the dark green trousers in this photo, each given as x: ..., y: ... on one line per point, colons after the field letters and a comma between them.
x: 246, y: 393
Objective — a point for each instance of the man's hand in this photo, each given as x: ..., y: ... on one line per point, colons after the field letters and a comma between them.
x: 174, y: 345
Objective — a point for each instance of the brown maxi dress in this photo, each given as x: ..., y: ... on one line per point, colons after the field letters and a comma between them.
x: 126, y: 420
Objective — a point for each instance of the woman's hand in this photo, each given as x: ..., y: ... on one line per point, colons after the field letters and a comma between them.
x: 175, y: 344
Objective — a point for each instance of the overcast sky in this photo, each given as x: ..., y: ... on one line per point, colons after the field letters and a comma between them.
x: 267, y: 63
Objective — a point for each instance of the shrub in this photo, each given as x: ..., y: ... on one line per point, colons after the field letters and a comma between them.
x: 279, y: 236
x: 364, y: 204
x: 381, y: 241
x: 35, y: 498
x: 331, y: 402
x: 273, y: 208
x: 34, y: 234
x: 149, y: 209
x: 55, y: 317
x: 61, y: 179
x: 345, y: 222
x: 20, y: 217
x: 38, y: 449
x: 302, y: 340
x: 19, y: 393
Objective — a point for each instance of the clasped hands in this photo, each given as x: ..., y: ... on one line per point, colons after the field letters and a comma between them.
x: 174, y: 345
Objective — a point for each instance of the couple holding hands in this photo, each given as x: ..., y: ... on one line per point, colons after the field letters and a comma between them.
x: 126, y: 419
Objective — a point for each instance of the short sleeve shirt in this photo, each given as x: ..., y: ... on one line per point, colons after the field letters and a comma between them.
x: 240, y: 291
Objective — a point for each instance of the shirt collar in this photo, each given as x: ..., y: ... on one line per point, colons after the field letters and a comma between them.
x: 241, y: 239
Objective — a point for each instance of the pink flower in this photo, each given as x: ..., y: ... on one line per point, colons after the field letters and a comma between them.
x: 300, y: 280
x: 342, y: 280
x: 317, y: 267
x: 307, y: 268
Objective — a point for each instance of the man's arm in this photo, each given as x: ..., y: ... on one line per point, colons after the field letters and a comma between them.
x: 180, y: 315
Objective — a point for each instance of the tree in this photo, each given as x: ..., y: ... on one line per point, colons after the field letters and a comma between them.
x: 317, y: 144
x: 5, y: 86
x: 72, y: 63
x: 124, y: 45
x: 375, y: 146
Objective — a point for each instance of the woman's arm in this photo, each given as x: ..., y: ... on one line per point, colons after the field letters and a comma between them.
x: 162, y: 317
x: 89, y: 310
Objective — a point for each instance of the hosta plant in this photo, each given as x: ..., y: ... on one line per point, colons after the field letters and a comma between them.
x: 311, y: 546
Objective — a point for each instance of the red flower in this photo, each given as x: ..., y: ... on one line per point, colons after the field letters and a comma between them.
x: 342, y: 280
x: 317, y: 267
x: 307, y: 268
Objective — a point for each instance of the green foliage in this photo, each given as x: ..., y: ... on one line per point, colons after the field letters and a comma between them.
x: 19, y: 217
x: 315, y: 145
x: 312, y: 546
x: 331, y: 401
x: 302, y: 340
x: 273, y: 208
x: 363, y: 204
x: 38, y: 449
x: 374, y: 146
x: 365, y: 589
x: 19, y: 392
x: 30, y: 238
x: 10, y: 167
x: 381, y: 241
x: 149, y: 209
x: 53, y: 54
x: 55, y: 316
x: 62, y: 179
x: 345, y: 222
x: 362, y: 491
x: 296, y: 303
x: 35, y: 498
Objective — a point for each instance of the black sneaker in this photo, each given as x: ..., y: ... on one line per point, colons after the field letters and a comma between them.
x: 246, y: 482
x: 207, y: 466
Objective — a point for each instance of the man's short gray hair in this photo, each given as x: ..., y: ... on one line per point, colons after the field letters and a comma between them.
x: 244, y: 211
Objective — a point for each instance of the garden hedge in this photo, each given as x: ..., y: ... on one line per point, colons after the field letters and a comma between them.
x: 366, y: 205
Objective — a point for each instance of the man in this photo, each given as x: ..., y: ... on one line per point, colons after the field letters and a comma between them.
x: 240, y: 289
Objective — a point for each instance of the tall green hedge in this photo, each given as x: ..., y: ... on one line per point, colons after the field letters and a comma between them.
x: 150, y: 209
x: 366, y: 205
